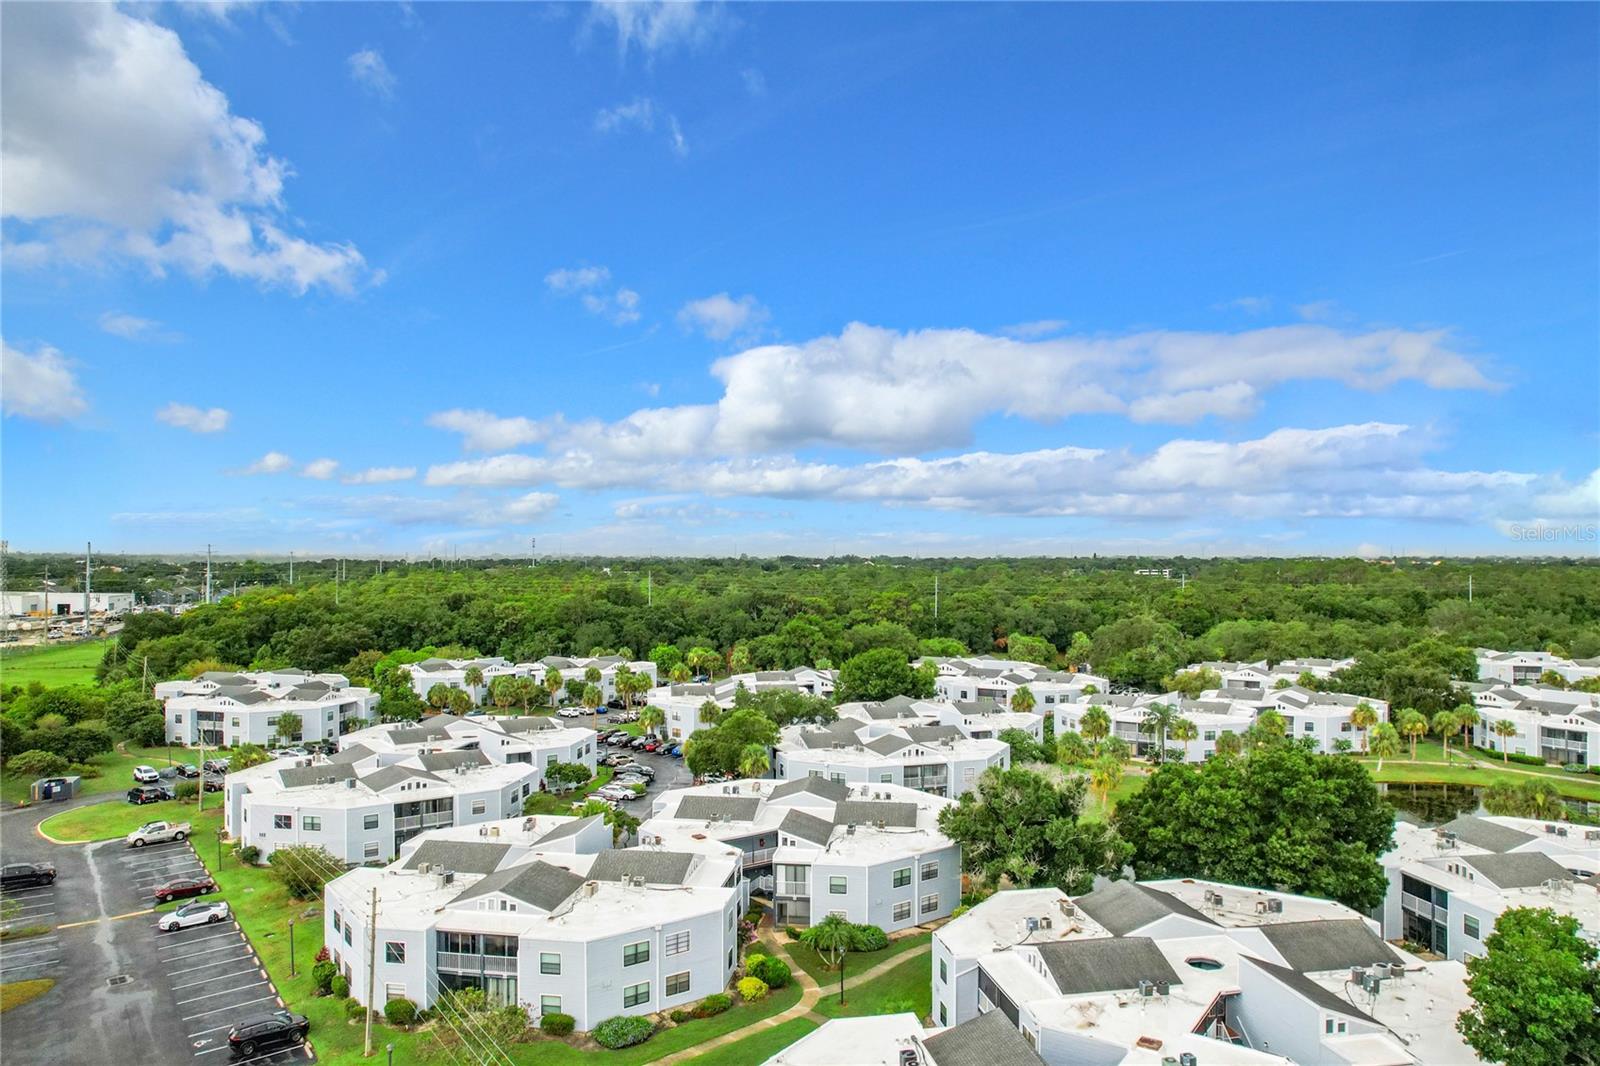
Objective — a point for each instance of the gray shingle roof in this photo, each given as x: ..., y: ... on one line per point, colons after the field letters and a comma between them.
x: 927, y: 734
x: 225, y: 677
x: 839, y: 734
x: 570, y: 828
x: 462, y: 856
x: 900, y: 815
x: 1105, y: 964
x: 806, y: 827
x: 1314, y: 946
x: 887, y: 745
x: 538, y: 883
x: 1523, y: 869
x: 1482, y: 833
x: 817, y: 786
x: 704, y: 808
x: 418, y: 734
x: 301, y: 776
x: 249, y: 697
x: 527, y: 724
x: 393, y: 775
x: 1123, y: 906
x: 987, y: 1040
x: 441, y: 761
x: 656, y: 867
x: 310, y: 690
x: 354, y: 753
x: 1305, y: 986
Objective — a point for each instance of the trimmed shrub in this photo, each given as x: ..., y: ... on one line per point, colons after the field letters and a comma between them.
x: 505, y: 1024
x: 960, y: 910
x: 625, y: 1030
x: 250, y: 855
x: 752, y: 960
x: 870, y: 938
x: 354, y: 1011
x: 36, y: 763
x: 751, y: 989
x: 775, y: 972
x: 556, y: 1024
x: 323, y: 974
x: 1512, y: 756
x: 400, y: 1012
x: 84, y: 769
x: 680, y: 1016
x: 186, y: 790
x: 791, y: 932
x: 714, y: 1004
x: 340, y: 986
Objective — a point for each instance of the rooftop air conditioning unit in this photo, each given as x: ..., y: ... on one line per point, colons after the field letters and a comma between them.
x: 1069, y: 908
x: 850, y: 829
x: 1357, y: 975
x: 1261, y: 906
x: 1147, y: 989
x: 349, y: 782
x: 483, y: 830
x: 1033, y: 924
x: 1561, y: 832
x: 1549, y: 828
x: 1044, y: 923
x: 1187, y: 1059
x: 1274, y: 906
x: 494, y: 830
x: 1591, y: 834
x: 449, y: 877
x: 1163, y: 988
x: 1397, y: 969
x: 908, y: 1057
x: 1372, y: 983
x: 424, y: 868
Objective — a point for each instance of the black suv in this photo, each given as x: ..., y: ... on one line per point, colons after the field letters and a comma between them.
x: 27, y: 874
x: 188, y: 770
x: 255, y: 1032
x: 150, y: 794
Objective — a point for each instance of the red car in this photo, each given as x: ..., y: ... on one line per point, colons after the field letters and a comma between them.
x: 183, y: 887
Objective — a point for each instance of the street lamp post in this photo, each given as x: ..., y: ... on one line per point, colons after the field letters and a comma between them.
x: 291, y: 947
x: 390, y: 1049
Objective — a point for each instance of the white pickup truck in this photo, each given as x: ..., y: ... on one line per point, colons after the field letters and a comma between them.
x: 158, y: 833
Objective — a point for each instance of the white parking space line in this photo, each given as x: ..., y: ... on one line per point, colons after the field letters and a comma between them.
x: 34, y: 890
x: 264, y: 1057
x: 235, y: 1006
x: 224, y: 992
x: 22, y: 966
x: 208, y: 951
x: 217, y: 1029
x: 37, y: 903
x: 176, y: 939
x: 50, y: 949
x: 218, y: 977
x: 231, y: 960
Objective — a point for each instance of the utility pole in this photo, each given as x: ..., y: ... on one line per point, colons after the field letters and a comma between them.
x: 291, y: 568
x: 88, y: 582
x: 935, y: 597
x: 208, y: 581
x: 372, y: 965
x: 533, y: 552
x: 1469, y: 588
x: 649, y: 589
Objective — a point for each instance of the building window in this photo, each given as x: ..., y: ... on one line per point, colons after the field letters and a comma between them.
x: 836, y: 777
x: 1469, y: 926
x: 1309, y: 727
x: 393, y: 992
x: 177, y: 719
x: 837, y: 886
x: 902, y: 877
x: 634, y: 995
x: 549, y: 962
x: 944, y: 971
x: 338, y: 922
x: 369, y: 821
x: 677, y: 943
x: 678, y: 983
x: 369, y: 850
x: 479, y: 806
x: 902, y: 910
x: 394, y: 951
x: 549, y: 1005
x: 930, y: 870
x: 283, y: 821
x: 311, y: 824
x: 347, y: 933
x: 944, y: 1018
x: 633, y: 954
x: 1211, y: 734
x: 930, y: 904
x: 885, y: 779
x: 1327, y: 1026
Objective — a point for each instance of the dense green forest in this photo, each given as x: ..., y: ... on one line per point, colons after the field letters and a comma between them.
x: 780, y: 613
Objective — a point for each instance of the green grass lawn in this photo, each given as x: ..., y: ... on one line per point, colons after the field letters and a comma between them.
x: 908, y: 986
x: 856, y: 962
x: 53, y: 665
x: 116, y: 772
x: 552, y: 803
x: 16, y: 993
x: 759, y: 1046
x: 1404, y: 771
x: 117, y: 818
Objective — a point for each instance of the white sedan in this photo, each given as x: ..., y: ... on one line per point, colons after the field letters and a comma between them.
x: 146, y: 775
x: 196, y: 912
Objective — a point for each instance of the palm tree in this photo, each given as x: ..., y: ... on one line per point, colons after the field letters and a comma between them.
x: 1412, y: 723
x: 1445, y: 724
x: 553, y: 683
x: 1105, y: 774
x: 439, y: 696
x: 753, y: 761
x: 1363, y: 718
x: 503, y: 691
x: 739, y: 659
x: 638, y: 684
x: 1385, y: 743
x: 1158, y: 719
x: 831, y: 938
x: 622, y: 685
x: 1504, y: 729
x: 592, y: 675
x: 1467, y: 716
x: 1184, y: 731
x: 592, y: 699
x: 1022, y: 699
x: 1095, y: 725
x: 651, y: 719
x: 1229, y: 744
x: 679, y: 673
x: 473, y: 678
x: 1541, y: 799
x: 705, y: 659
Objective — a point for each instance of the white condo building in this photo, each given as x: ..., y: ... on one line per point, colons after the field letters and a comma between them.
x: 1527, y: 667
x: 390, y: 783
x: 1557, y: 725
x: 452, y: 673
x: 940, y: 760
x: 1195, y: 972
x: 872, y: 854
x: 902, y: 1040
x: 681, y: 703
x: 1448, y: 886
x: 977, y: 719
x: 541, y: 912
x: 220, y: 709
x: 974, y: 678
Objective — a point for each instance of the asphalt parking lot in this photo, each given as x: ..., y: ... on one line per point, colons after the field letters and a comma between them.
x: 125, y: 992
x: 670, y: 773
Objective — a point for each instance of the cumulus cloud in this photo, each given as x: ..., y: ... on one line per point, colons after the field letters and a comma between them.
x: 471, y: 509
x: 1581, y: 500
x: 116, y: 147
x: 483, y: 431
x: 128, y: 327
x: 721, y: 317
x: 270, y: 463
x: 655, y: 26
x: 194, y: 419
x: 642, y: 113
x: 41, y: 386
x: 320, y: 469
x: 1234, y: 400
x: 380, y: 475
x: 569, y: 280
x: 368, y: 70
x: 592, y: 286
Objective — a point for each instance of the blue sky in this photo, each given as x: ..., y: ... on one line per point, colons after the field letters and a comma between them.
x: 700, y: 279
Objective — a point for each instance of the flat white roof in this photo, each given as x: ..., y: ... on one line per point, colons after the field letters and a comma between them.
x: 872, y: 1041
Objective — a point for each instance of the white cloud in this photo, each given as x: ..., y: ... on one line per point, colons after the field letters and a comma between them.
x: 115, y: 146
x: 41, y: 386
x: 483, y: 431
x: 1028, y: 331
x: 380, y: 475
x: 368, y: 70
x: 271, y: 463
x: 1572, y: 501
x: 675, y: 137
x: 1317, y: 310
x: 592, y: 286
x: 1234, y: 400
x: 320, y: 469
x: 1250, y: 305
x: 194, y: 419
x: 569, y: 280
x: 128, y: 327
x: 656, y: 26
x: 721, y: 316
x: 528, y: 508
x: 640, y: 112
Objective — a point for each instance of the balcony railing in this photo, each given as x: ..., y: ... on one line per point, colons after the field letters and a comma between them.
x: 1416, y: 905
x: 758, y: 856
x: 424, y: 821
x: 499, y: 965
x: 794, y: 888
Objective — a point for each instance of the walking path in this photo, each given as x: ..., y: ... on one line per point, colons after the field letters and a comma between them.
x: 810, y: 995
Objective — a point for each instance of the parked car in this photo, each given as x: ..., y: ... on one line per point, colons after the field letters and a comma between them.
x: 158, y: 833
x: 146, y: 775
x: 256, y: 1032
x: 195, y: 912
x: 150, y: 794
x: 676, y: 751
x: 213, y: 784
x: 216, y: 766
x: 183, y: 888
x: 188, y: 770
x: 617, y: 792
x: 640, y: 769
x: 651, y: 744
x: 638, y: 743
x: 27, y: 874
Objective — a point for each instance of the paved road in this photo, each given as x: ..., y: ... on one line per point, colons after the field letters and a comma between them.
x: 125, y: 993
